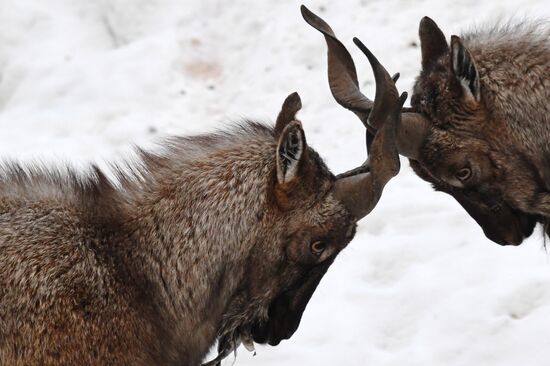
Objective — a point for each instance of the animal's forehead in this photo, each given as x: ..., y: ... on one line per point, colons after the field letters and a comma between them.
x: 437, y: 73
x: 456, y: 141
x: 327, y: 217
x: 441, y: 145
x: 430, y: 99
x: 432, y: 80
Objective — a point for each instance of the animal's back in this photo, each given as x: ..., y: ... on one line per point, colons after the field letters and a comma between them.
x: 61, y: 298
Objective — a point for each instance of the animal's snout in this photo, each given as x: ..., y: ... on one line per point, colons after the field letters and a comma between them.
x: 281, y: 324
x: 514, y: 232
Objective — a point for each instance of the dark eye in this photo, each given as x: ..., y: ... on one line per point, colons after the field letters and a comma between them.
x: 464, y: 174
x: 317, y: 248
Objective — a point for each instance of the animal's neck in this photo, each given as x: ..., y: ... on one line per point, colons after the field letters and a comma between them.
x: 518, y: 91
x: 191, y: 231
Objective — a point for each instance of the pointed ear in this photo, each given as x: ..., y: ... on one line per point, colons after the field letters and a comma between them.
x: 432, y: 42
x: 291, y: 106
x: 464, y: 70
x: 291, y: 151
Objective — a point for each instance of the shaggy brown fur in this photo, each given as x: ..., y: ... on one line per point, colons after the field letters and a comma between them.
x: 487, y: 95
x: 221, y: 236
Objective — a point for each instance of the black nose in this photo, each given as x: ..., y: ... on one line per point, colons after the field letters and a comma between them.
x: 511, y: 238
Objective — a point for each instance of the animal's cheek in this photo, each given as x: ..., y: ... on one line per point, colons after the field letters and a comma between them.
x: 262, y: 272
x: 298, y: 250
x: 294, y: 251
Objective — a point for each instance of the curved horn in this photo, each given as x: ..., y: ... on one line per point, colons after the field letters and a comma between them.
x: 360, y: 193
x: 344, y: 86
x: 413, y: 128
x: 342, y: 76
x: 386, y: 92
x: 360, y: 189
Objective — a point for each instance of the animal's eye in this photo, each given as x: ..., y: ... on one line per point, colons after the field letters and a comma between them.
x: 317, y: 248
x: 464, y: 174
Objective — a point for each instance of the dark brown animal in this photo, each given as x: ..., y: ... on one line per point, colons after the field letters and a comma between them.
x: 479, y: 127
x: 487, y: 99
x: 222, y: 237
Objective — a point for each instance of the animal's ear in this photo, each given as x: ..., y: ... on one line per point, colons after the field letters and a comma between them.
x: 464, y: 71
x: 432, y: 42
x: 291, y: 106
x: 291, y: 151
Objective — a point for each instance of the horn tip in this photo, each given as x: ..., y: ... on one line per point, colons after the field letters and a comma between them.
x: 372, y: 59
x: 306, y: 13
x: 362, y: 47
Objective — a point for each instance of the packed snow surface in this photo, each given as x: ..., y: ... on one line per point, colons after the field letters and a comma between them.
x: 83, y: 81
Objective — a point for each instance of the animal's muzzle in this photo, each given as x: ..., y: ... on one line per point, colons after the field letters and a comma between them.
x: 505, y: 226
x: 510, y: 230
x: 285, y: 312
x: 282, y: 323
x: 500, y: 222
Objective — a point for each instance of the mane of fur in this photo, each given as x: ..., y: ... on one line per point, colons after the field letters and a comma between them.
x: 64, y: 184
x: 514, y: 58
x: 508, y: 33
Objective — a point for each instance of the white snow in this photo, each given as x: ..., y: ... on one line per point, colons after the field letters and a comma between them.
x: 83, y: 80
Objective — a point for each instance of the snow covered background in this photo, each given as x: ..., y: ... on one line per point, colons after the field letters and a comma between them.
x: 83, y: 80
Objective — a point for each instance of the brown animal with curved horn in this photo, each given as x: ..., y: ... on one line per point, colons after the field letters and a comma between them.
x: 487, y: 141
x: 223, y: 236
x: 462, y: 133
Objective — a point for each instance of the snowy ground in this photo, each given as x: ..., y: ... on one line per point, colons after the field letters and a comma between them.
x: 83, y: 80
